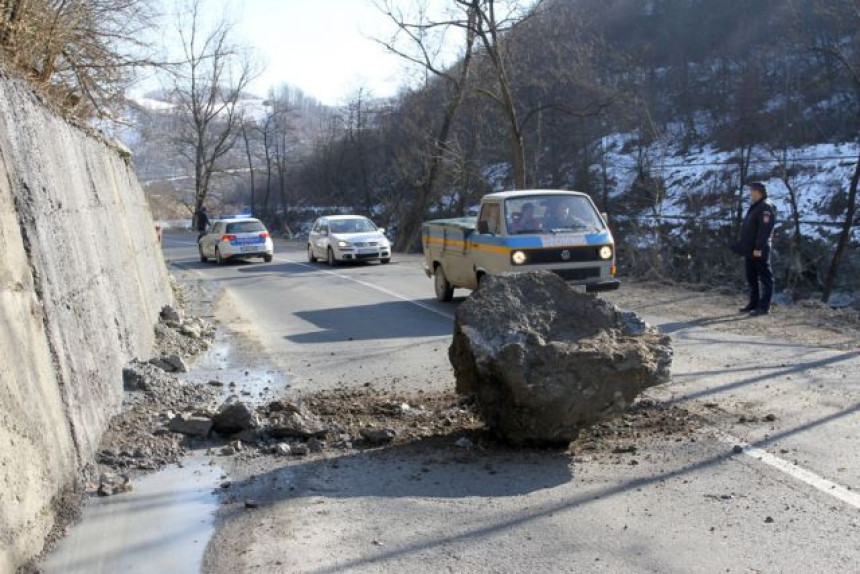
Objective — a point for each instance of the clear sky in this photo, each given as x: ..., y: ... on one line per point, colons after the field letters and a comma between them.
x: 322, y: 47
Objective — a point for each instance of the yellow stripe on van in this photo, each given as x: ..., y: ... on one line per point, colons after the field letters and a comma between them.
x: 463, y: 244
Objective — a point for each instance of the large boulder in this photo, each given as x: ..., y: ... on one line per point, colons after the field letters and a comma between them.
x: 544, y: 361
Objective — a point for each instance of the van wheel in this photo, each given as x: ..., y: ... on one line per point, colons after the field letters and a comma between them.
x: 203, y: 258
x: 332, y: 262
x: 267, y: 258
x: 385, y: 261
x: 218, y: 259
x: 311, y: 257
x: 444, y: 290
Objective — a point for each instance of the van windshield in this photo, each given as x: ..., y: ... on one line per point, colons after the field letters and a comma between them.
x: 551, y: 214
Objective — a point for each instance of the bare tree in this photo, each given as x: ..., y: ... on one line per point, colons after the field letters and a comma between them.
x: 208, y: 86
x: 81, y: 55
x: 416, y: 42
x: 839, y: 47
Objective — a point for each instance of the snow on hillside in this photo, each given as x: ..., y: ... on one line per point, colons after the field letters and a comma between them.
x: 818, y: 172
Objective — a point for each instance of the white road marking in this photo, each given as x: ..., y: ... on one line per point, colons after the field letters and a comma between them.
x: 794, y: 471
x: 388, y: 292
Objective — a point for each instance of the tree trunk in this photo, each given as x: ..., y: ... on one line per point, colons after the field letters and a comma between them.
x: 746, y: 153
x: 844, y: 236
x: 250, y: 164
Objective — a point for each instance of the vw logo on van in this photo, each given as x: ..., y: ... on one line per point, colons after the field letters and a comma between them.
x: 565, y: 255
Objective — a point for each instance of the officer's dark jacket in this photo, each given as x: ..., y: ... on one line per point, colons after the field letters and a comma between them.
x: 757, y: 227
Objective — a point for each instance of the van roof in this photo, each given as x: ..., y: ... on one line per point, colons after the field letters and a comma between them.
x: 502, y: 195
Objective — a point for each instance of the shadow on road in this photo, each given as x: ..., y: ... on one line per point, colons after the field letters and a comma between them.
x: 768, y: 376
x: 388, y: 320
x: 401, y: 472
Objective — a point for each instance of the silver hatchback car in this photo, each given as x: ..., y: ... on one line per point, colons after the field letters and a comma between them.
x: 338, y: 238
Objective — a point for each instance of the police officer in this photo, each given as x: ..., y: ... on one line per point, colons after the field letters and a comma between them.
x: 755, y: 246
x: 201, y: 222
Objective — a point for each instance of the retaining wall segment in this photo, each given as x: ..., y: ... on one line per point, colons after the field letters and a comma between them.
x: 82, y: 280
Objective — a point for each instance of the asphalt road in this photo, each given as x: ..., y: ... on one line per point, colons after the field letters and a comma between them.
x: 789, y: 502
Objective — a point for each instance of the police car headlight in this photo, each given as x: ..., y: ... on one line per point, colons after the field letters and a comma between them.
x: 606, y: 252
x: 344, y: 244
x: 518, y: 257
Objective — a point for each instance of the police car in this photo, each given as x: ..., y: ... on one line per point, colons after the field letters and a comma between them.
x: 236, y: 238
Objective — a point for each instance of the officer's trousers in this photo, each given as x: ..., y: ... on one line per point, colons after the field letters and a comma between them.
x: 760, y: 280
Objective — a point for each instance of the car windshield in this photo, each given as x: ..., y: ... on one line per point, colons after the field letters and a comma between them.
x: 551, y: 214
x: 245, y: 227
x: 351, y: 226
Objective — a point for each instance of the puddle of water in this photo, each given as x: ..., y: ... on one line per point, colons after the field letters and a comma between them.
x: 255, y: 383
x: 163, y: 525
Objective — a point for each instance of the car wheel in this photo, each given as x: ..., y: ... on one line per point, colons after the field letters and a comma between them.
x: 331, y: 260
x: 218, y: 259
x: 267, y: 258
x: 385, y: 261
x: 203, y: 258
x: 444, y: 290
x: 311, y: 257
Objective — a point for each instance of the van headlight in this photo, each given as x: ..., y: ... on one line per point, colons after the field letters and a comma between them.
x: 518, y: 257
x: 344, y: 244
x: 606, y: 252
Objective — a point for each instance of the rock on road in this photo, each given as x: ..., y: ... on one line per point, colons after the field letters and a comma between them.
x: 786, y: 500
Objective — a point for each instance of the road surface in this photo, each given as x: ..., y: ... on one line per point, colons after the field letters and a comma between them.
x: 787, y: 500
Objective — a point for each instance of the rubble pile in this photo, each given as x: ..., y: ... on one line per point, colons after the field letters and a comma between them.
x: 140, y: 436
x: 544, y: 361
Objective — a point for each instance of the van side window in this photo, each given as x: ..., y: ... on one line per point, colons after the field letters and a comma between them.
x: 492, y: 214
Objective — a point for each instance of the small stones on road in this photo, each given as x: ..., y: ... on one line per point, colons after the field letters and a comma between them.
x: 170, y: 313
x: 769, y: 520
x: 191, y: 425
x: 250, y: 503
x: 464, y: 442
x: 378, y: 436
x: 233, y: 417
x: 111, y: 484
x: 737, y: 449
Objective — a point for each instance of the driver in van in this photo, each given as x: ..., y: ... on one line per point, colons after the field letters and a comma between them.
x: 527, y: 220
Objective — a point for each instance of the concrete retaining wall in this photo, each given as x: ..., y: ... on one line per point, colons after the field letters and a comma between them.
x: 81, y: 283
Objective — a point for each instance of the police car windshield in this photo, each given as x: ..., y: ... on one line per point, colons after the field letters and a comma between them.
x: 352, y: 226
x: 551, y: 214
x: 245, y: 227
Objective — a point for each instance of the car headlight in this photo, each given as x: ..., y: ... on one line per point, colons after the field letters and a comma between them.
x: 606, y: 252
x: 344, y: 244
x: 518, y: 257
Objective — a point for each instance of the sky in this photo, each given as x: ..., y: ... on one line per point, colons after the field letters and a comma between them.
x: 323, y: 47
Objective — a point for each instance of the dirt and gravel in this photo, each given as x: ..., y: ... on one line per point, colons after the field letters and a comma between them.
x: 807, y: 322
